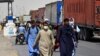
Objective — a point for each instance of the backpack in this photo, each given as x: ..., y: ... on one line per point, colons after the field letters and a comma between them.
x: 37, y: 29
x: 29, y: 31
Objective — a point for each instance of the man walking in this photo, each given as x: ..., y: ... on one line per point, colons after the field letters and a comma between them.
x: 76, y: 31
x: 65, y: 38
x: 46, y: 41
x: 33, y: 31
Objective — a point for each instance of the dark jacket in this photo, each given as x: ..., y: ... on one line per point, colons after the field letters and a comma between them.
x: 65, y: 38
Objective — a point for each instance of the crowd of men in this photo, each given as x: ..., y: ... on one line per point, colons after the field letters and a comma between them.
x: 43, y: 38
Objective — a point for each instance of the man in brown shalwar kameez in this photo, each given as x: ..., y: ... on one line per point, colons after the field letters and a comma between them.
x: 46, y: 41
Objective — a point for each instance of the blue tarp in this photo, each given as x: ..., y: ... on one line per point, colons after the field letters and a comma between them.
x: 59, y: 6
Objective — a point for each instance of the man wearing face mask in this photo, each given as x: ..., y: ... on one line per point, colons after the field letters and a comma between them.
x: 46, y: 41
x: 65, y: 38
x: 48, y: 22
x: 75, y: 27
x: 32, y: 33
x: 76, y: 31
x: 71, y: 22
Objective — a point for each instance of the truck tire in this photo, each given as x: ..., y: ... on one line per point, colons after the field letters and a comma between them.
x: 85, y: 34
x: 88, y: 34
x: 81, y: 34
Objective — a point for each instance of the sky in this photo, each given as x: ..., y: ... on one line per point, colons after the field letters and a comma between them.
x: 21, y: 7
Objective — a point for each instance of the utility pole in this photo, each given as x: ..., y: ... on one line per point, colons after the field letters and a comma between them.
x: 10, y: 9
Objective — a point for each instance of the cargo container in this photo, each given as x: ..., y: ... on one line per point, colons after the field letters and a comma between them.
x: 41, y: 13
x: 33, y: 14
x: 86, y: 14
x: 38, y: 14
x: 53, y: 12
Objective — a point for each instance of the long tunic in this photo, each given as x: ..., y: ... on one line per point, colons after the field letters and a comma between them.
x: 65, y: 36
x: 46, y: 42
x: 31, y: 40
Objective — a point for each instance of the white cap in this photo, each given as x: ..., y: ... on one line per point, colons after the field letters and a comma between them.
x: 46, y: 19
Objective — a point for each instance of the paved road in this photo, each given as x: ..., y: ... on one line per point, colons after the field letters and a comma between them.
x: 88, y: 49
x: 91, y: 48
x: 6, y: 48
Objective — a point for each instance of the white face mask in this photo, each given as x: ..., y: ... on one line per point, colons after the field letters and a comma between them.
x: 46, y: 27
x: 71, y: 23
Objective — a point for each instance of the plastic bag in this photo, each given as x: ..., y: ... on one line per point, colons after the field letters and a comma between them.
x: 78, y: 29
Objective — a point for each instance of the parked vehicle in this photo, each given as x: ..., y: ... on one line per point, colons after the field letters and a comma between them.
x: 53, y: 12
x: 86, y: 14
